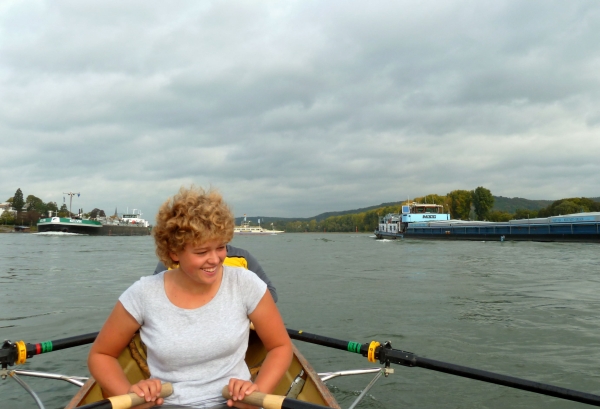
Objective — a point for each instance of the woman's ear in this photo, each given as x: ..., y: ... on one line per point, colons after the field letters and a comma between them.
x: 174, y: 257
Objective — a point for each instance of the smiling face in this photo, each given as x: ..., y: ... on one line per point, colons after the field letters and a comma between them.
x: 202, y: 263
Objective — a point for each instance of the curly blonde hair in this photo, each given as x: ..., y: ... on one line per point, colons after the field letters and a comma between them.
x: 191, y: 216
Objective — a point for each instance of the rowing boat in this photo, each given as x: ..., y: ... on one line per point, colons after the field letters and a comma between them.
x: 300, y: 388
x: 307, y: 384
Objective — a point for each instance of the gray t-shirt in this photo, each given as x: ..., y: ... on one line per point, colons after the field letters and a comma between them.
x: 197, y: 350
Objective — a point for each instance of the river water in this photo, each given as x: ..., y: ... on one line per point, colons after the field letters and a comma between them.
x: 523, y: 309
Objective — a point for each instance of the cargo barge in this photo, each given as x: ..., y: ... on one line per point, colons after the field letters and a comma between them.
x: 127, y: 225
x: 426, y: 221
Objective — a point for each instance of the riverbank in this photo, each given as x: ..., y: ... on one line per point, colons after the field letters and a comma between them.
x: 11, y: 229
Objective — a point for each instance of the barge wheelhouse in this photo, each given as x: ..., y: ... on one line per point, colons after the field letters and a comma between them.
x: 393, y: 225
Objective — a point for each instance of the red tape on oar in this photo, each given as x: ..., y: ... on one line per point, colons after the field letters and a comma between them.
x: 126, y: 401
x: 267, y: 401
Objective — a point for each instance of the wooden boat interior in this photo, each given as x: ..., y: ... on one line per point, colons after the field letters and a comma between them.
x: 133, y: 358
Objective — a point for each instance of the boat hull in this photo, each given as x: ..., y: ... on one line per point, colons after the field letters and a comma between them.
x: 314, y: 390
x: 262, y: 233
x: 432, y: 234
x: 103, y: 230
x: 576, y: 238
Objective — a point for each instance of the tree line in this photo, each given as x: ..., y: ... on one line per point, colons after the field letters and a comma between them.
x: 29, y: 210
x: 458, y: 202
x: 474, y: 204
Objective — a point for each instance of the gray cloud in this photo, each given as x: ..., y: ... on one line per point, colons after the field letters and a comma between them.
x: 296, y: 108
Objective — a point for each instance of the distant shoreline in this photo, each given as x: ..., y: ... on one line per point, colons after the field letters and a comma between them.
x: 10, y: 229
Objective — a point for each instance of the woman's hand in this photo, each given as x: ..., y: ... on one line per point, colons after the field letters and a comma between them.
x: 149, y: 389
x: 239, y: 389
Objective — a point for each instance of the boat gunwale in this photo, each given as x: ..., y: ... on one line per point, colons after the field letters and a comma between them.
x: 319, y: 385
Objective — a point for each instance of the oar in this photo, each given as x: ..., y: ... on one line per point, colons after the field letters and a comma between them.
x: 126, y: 401
x: 266, y: 401
x: 385, y: 355
x: 17, y: 352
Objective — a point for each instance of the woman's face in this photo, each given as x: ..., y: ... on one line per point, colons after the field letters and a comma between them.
x: 203, y: 263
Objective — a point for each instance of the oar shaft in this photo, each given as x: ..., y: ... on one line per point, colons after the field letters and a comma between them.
x: 409, y: 359
x: 126, y: 401
x: 17, y: 352
x: 267, y: 401
x: 328, y: 342
x: 509, y: 381
x: 63, y: 343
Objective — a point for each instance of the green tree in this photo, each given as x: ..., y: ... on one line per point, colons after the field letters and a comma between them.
x: 499, y: 216
x: 52, y: 206
x: 35, y: 203
x: 370, y: 221
x: 7, y: 218
x: 63, y: 211
x: 431, y: 199
x: 30, y: 217
x: 526, y: 214
x: 460, y: 204
x: 570, y: 205
x: 18, y: 203
x: 483, y: 201
x: 567, y: 207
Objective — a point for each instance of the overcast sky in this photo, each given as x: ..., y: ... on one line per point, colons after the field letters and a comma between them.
x: 294, y: 108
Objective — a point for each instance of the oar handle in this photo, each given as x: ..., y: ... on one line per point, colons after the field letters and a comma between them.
x: 128, y: 400
x: 267, y: 401
x: 259, y: 399
x: 132, y: 399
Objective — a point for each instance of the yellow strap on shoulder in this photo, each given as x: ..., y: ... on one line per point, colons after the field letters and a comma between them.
x: 236, y: 262
x: 372, y: 347
x: 232, y: 262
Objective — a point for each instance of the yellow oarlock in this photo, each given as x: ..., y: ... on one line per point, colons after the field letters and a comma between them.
x: 21, y: 352
x: 372, y: 347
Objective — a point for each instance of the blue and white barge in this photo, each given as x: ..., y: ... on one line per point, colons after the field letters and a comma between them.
x: 578, y: 227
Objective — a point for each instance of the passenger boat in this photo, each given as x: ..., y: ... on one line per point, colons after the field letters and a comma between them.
x: 247, y: 229
x: 429, y: 221
x: 299, y: 382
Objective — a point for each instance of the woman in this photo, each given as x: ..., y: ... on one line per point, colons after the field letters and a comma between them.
x: 194, y: 318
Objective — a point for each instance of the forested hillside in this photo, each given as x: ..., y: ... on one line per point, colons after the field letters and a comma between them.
x: 512, y: 204
x: 462, y: 204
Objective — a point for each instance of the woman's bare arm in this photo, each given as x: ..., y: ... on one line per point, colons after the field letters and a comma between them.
x: 270, y: 328
x: 115, y: 335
